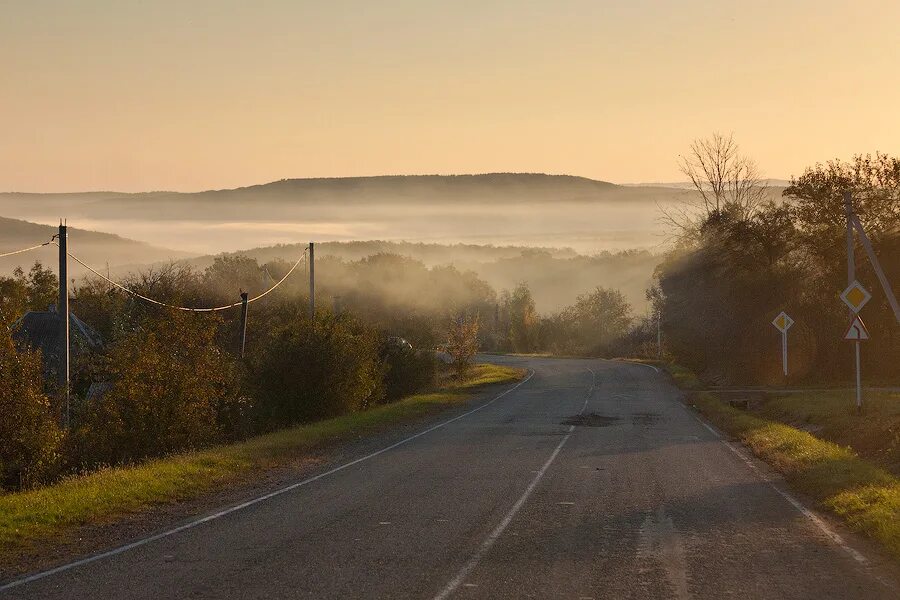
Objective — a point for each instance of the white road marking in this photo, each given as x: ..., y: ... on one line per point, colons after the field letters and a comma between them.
x: 501, y: 527
x: 631, y: 362
x: 566, y: 503
x: 252, y: 502
x: 818, y: 522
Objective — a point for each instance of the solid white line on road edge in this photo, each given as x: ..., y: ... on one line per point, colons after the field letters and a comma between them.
x: 632, y: 362
x: 818, y: 522
x: 499, y: 529
x: 248, y: 503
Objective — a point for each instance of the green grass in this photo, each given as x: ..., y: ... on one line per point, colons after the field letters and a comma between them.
x: 35, y: 516
x: 874, y: 434
x: 866, y: 496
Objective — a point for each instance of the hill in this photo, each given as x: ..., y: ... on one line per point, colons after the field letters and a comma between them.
x: 497, y: 208
x: 96, y: 248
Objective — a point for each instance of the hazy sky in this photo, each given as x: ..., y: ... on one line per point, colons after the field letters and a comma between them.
x: 185, y: 95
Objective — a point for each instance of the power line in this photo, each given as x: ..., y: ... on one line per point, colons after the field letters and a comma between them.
x: 25, y: 249
x: 185, y: 308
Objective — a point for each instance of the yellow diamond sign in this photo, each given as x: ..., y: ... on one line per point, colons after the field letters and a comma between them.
x: 856, y: 296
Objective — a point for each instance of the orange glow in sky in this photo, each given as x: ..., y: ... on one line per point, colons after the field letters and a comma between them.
x: 139, y: 96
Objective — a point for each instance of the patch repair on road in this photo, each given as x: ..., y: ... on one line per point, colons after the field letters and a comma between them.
x: 590, y: 420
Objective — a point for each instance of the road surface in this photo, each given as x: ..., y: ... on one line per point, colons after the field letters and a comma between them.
x: 588, y: 480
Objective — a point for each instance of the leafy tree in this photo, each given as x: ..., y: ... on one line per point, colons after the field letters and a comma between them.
x: 598, y: 319
x: 520, y: 319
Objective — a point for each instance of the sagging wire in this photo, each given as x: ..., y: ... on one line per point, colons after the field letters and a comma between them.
x: 23, y: 250
x: 185, y: 308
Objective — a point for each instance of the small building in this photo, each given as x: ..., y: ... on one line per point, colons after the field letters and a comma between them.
x: 40, y: 330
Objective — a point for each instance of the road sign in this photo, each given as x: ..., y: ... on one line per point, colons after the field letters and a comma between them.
x: 856, y: 296
x: 857, y: 330
x: 783, y: 322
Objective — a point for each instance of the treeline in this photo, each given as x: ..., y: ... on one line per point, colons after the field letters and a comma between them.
x: 739, y: 266
x: 166, y: 381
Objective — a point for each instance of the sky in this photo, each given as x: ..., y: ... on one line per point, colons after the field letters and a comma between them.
x: 190, y: 95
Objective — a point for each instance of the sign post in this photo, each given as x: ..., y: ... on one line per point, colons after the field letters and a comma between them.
x: 782, y: 323
x: 855, y: 297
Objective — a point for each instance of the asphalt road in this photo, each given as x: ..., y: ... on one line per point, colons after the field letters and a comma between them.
x: 589, y: 480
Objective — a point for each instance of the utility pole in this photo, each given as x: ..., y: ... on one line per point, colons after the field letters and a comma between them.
x: 658, y: 335
x: 244, y: 296
x: 62, y: 312
x: 312, y: 281
x: 851, y: 259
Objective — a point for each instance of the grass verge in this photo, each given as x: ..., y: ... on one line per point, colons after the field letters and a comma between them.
x: 865, y: 496
x: 34, y: 516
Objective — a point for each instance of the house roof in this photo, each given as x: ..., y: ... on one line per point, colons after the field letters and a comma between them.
x: 40, y: 330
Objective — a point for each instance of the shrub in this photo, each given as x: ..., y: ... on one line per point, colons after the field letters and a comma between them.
x: 29, y: 436
x: 407, y: 370
x: 172, y: 389
x: 314, y: 370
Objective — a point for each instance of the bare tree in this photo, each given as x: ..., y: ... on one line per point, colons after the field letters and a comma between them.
x: 726, y: 182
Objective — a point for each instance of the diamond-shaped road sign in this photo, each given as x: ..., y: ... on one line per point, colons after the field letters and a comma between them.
x: 857, y: 330
x: 856, y: 296
x: 783, y: 322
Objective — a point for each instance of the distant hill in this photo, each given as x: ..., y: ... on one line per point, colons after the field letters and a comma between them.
x: 511, y: 209
x: 95, y: 248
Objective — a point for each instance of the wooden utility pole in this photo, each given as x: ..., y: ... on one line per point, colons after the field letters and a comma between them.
x: 62, y: 311
x: 312, y: 281
x: 244, y: 296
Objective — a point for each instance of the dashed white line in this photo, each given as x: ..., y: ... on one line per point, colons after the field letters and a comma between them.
x: 492, y: 538
x: 249, y: 503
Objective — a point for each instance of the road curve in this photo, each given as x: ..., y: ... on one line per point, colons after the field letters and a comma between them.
x: 590, y: 480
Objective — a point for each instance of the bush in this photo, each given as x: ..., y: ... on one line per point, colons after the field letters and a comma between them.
x: 29, y: 436
x: 314, y: 370
x: 407, y: 370
x: 172, y: 389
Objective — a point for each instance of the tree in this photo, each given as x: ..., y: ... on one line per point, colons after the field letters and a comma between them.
x: 29, y: 436
x: 463, y: 342
x: 599, y: 318
x: 521, y: 318
x: 726, y: 182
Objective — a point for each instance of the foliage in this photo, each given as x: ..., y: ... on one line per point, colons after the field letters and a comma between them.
x: 718, y: 294
x: 462, y: 343
x: 22, y: 292
x: 306, y: 371
x: 29, y: 437
x: 519, y: 320
x: 172, y: 389
x: 406, y: 370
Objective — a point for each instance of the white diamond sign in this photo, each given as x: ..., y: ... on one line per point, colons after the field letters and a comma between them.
x: 783, y: 322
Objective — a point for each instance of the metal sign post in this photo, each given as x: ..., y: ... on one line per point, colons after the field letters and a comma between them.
x: 857, y: 332
x: 782, y: 323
